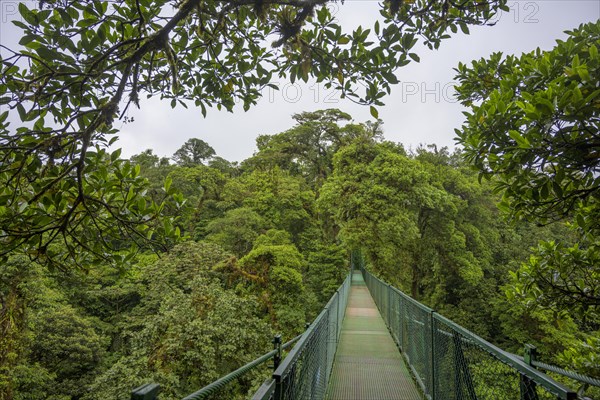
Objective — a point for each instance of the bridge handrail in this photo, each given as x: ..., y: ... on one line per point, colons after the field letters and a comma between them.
x: 511, y: 360
x: 537, y: 364
x: 221, y: 382
x: 293, y: 355
x: 561, y: 371
x: 297, y: 377
x: 150, y: 391
x: 435, y: 349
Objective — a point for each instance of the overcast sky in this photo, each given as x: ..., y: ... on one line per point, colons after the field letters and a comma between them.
x: 421, y: 108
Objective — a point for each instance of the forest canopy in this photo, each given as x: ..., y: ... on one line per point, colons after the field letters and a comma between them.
x: 81, y: 65
x: 118, y: 271
x: 267, y: 243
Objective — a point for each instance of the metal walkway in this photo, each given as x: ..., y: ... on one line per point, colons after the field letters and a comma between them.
x: 367, y: 364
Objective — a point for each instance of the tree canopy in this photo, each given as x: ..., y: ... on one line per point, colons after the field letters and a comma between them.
x: 534, y: 125
x: 534, y: 129
x: 193, y: 152
x: 81, y: 65
x: 269, y: 242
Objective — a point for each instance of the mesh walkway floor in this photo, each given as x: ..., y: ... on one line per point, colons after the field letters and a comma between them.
x: 368, y: 365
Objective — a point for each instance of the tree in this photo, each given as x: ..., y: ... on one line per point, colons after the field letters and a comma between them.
x: 534, y: 130
x: 236, y: 230
x: 327, y: 268
x: 155, y: 169
x: 308, y: 148
x: 67, y: 345
x: 193, y: 152
x: 185, y: 329
x: 200, y: 187
x: 228, y: 168
x: 16, y: 291
x: 283, y: 201
x: 534, y: 125
x: 274, y: 269
x: 83, y: 64
x: 194, y: 337
x: 48, y: 348
x: 380, y: 199
x: 148, y: 160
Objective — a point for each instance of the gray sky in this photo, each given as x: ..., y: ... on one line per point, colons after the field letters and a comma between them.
x: 420, y: 109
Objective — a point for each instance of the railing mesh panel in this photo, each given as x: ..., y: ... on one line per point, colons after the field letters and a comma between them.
x: 466, y: 370
x: 307, y: 378
x: 450, y: 363
x: 305, y: 372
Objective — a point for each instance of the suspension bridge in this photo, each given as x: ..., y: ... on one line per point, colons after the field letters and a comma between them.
x: 371, y: 341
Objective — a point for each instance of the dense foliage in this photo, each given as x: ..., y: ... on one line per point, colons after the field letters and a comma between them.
x: 116, y: 272
x: 268, y: 241
x: 534, y: 128
x: 82, y: 64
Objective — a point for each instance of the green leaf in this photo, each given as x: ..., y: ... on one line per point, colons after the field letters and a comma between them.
x: 46, y: 53
x: 414, y: 56
x: 521, y: 141
x: 22, y: 112
x: 374, y: 112
x: 558, y: 190
x: 115, y: 155
x: 25, y: 40
x: 580, y: 221
x: 27, y: 15
x: 390, y: 77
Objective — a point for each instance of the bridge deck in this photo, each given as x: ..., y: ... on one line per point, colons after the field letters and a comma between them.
x: 367, y: 363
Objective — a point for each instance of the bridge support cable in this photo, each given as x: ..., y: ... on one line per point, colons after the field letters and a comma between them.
x: 451, y: 363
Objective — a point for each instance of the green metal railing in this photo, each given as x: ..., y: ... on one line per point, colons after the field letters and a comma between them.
x: 447, y: 361
x: 150, y: 391
x: 305, y: 372
x: 217, y: 385
x: 451, y: 363
x: 587, y: 387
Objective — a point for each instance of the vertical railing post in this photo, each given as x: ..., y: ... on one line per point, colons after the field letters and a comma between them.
x: 276, y: 346
x: 278, y: 394
x: 426, y: 349
x: 462, y: 376
x: 389, y: 289
x: 337, y: 318
x: 530, y: 354
x: 401, y: 311
x: 432, y: 354
x: 528, y: 386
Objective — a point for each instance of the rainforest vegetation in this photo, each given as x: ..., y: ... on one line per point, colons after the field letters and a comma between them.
x: 265, y: 244
x: 116, y: 272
